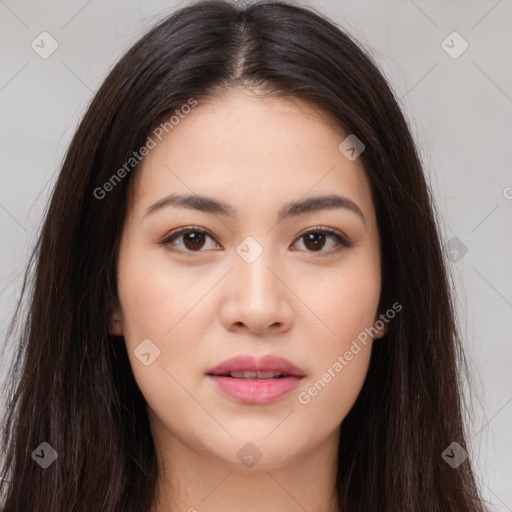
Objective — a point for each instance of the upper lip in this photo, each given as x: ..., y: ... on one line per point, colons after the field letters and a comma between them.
x: 257, y: 364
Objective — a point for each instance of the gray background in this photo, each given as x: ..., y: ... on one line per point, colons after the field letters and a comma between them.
x: 459, y: 110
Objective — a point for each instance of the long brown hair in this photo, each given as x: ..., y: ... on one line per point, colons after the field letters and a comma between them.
x: 71, y: 384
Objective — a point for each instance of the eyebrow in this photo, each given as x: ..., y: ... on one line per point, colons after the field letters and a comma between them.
x: 292, y: 209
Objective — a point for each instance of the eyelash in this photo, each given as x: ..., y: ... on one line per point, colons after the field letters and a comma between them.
x: 343, y: 242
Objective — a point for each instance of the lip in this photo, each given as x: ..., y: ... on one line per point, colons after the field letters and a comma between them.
x: 255, y: 391
x: 266, y: 363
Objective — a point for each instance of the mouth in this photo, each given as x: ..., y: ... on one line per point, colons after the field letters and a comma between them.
x: 249, y: 375
x: 255, y: 381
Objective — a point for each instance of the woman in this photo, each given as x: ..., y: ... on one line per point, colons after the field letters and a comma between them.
x: 239, y: 293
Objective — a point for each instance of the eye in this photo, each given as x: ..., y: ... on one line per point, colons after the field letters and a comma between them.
x: 315, y: 240
x: 193, y: 239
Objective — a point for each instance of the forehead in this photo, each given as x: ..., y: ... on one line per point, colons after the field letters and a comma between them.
x: 252, y: 152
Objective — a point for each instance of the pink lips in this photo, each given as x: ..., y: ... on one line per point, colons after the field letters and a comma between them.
x: 256, y: 390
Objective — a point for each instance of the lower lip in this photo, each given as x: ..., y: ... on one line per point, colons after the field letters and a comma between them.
x: 256, y: 392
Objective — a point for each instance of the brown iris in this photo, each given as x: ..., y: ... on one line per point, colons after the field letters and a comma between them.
x: 317, y: 241
x: 194, y: 240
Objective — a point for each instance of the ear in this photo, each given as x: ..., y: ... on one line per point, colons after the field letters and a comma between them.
x: 381, y: 323
x: 116, y: 321
x: 381, y: 332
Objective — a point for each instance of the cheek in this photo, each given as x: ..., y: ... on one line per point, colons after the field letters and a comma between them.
x: 145, y: 304
x: 157, y: 338
x: 150, y: 296
x: 161, y: 317
x: 340, y: 351
x: 331, y: 393
x: 344, y: 300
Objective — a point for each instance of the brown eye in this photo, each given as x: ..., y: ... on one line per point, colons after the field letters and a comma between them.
x: 317, y: 239
x: 192, y: 240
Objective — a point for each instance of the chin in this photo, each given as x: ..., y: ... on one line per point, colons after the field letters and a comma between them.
x: 257, y: 452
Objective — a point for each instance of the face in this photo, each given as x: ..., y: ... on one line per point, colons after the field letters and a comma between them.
x: 286, y: 290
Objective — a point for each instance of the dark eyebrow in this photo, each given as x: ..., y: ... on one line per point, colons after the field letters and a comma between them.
x: 292, y: 209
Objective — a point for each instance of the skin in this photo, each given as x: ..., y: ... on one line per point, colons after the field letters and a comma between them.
x: 200, y: 308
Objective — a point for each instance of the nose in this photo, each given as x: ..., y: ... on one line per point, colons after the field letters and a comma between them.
x: 258, y: 298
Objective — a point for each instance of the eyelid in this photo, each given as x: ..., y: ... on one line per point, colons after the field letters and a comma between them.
x: 342, y: 239
x: 331, y: 231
